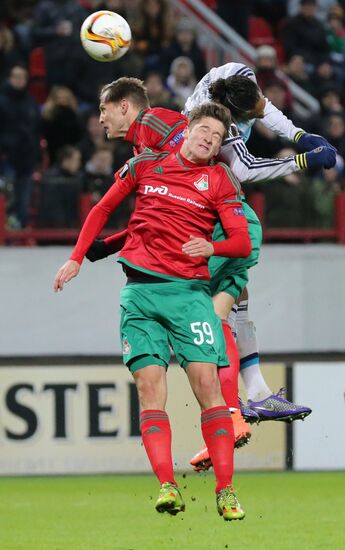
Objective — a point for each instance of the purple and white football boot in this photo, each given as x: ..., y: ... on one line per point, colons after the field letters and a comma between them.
x: 250, y: 416
x: 275, y: 407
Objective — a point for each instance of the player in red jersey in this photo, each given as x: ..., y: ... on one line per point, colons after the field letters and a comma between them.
x: 178, y: 200
x: 125, y: 113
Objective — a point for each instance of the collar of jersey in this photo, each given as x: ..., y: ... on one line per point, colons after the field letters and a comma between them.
x: 130, y: 136
x: 187, y: 163
x: 130, y: 133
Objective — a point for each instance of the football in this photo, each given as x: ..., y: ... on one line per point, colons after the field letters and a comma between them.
x: 105, y: 35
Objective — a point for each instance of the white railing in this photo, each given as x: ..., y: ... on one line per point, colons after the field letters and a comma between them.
x: 222, y: 44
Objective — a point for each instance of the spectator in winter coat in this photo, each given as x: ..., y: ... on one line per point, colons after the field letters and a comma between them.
x: 19, y: 141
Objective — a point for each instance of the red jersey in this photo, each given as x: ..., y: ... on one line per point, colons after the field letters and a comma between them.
x: 157, y: 129
x: 175, y: 199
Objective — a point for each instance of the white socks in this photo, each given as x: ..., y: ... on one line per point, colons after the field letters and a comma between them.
x: 254, y: 382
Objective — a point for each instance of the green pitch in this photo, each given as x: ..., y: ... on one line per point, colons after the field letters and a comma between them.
x: 287, y: 511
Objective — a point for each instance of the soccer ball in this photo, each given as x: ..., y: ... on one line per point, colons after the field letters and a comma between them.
x: 105, y: 35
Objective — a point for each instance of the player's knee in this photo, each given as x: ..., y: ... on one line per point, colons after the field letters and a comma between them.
x: 150, y: 393
x: 207, y: 387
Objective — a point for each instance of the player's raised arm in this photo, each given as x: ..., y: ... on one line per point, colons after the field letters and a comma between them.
x: 248, y: 168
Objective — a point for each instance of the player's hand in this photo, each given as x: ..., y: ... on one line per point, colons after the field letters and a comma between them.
x: 322, y: 157
x: 307, y: 142
x: 198, y: 247
x: 69, y: 270
x: 97, y: 251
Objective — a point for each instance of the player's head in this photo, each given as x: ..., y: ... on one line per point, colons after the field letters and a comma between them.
x: 241, y: 95
x: 208, y: 126
x: 120, y: 103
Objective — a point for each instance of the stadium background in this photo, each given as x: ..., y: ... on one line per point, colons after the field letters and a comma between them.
x: 68, y: 406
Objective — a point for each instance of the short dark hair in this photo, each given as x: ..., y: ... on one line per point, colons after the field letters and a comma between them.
x: 213, y: 110
x: 238, y: 93
x: 126, y: 88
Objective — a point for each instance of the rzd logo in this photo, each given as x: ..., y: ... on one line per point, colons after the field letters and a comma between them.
x: 163, y: 190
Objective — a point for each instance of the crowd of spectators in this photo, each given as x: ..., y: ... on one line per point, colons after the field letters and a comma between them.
x: 52, y: 147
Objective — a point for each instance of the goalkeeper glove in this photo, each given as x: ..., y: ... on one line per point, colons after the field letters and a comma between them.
x: 311, y: 141
x: 97, y: 251
x: 320, y: 157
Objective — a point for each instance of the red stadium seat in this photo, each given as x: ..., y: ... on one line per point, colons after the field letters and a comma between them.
x: 37, y: 75
x: 259, y: 32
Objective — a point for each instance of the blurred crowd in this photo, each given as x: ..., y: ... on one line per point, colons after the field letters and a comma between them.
x: 52, y: 147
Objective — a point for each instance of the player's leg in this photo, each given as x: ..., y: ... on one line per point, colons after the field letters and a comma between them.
x: 228, y: 378
x: 261, y: 399
x: 217, y: 430
x: 146, y: 353
x: 223, y: 302
x: 154, y: 422
x: 254, y: 382
x: 156, y: 434
x: 199, y: 346
x: 229, y: 276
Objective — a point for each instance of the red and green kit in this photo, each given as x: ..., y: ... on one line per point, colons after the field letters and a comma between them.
x: 175, y: 199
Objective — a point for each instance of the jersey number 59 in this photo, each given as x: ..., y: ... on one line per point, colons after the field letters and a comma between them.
x: 203, y: 331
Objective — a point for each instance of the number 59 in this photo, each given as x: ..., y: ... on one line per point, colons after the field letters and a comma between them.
x: 203, y: 331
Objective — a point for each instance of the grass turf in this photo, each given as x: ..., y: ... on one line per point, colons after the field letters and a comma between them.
x: 288, y: 511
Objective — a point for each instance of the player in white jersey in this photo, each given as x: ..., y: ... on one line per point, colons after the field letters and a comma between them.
x: 234, y: 85
x: 246, y: 102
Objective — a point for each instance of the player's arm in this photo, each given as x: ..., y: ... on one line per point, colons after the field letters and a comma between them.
x: 94, y: 223
x: 276, y: 121
x: 237, y: 245
x: 228, y: 203
x: 248, y: 168
x: 100, y: 248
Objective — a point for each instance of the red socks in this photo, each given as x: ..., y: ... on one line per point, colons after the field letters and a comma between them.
x: 156, y: 436
x: 228, y: 376
x: 217, y: 429
x: 218, y: 432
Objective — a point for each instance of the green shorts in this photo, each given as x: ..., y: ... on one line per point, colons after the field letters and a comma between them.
x: 230, y: 275
x: 180, y: 314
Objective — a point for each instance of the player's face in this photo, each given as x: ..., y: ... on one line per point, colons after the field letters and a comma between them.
x: 203, y: 140
x: 257, y: 112
x: 112, y: 118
